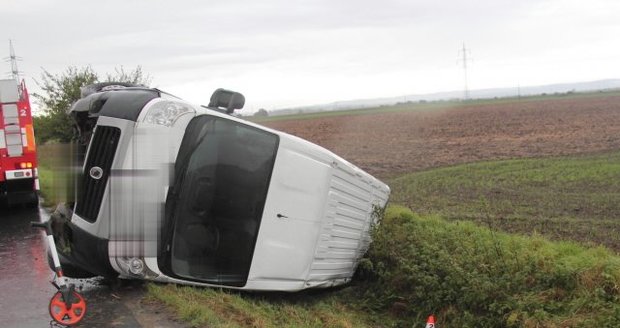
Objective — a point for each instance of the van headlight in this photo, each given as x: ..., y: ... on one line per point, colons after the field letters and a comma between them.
x: 136, y: 266
x: 167, y: 112
x: 132, y: 265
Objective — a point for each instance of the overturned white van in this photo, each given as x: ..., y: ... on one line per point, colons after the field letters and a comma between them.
x: 174, y: 192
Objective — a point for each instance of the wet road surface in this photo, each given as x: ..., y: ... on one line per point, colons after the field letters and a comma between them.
x: 24, y: 274
x: 26, y: 290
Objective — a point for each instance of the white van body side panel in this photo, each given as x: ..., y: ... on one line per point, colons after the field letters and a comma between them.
x: 317, y: 218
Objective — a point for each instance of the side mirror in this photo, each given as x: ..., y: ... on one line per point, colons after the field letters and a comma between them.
x: 230, y: 100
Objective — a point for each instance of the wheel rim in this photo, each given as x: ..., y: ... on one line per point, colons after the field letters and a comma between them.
x: 60, y: 313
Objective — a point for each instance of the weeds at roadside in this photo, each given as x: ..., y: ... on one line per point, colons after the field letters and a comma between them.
x: 471, y: 276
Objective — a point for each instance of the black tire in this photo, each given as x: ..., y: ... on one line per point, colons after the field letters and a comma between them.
x: 21, y: 200
x: 34, y: 200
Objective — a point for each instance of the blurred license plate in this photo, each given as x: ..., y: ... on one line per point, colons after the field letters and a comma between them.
x: 19, y: 174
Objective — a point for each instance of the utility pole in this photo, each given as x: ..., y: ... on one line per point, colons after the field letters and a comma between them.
x: 13, y: 60
x: 463, y: 57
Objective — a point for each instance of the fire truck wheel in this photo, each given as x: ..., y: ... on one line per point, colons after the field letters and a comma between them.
x: 33, y: 201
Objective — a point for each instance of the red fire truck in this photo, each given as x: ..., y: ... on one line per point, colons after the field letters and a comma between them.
x: 19, y: 181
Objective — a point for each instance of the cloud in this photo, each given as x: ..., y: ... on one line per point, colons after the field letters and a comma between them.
x: 303, y: 52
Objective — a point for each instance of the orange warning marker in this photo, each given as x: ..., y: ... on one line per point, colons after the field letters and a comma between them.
x: 430, y: 322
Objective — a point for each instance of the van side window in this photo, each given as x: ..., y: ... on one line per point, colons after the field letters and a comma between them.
x: 222, y: 175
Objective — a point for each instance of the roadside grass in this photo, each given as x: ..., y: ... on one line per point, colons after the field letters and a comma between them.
x: 465, y: 274
x: 46, y: 182
x: 54, y: 177
x: 472, y: 276
x: 207, y: 307
x: 574, y: 198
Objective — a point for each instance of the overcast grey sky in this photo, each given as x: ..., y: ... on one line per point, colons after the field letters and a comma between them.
x: 282, y: 53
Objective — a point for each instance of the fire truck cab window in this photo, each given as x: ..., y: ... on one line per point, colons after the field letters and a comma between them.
x: 222, y: 174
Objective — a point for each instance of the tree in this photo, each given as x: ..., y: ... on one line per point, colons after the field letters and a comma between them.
x: 60, y: 91
x: 261, y: 112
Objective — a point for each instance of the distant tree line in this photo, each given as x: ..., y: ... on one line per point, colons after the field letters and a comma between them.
x: 262, y: 112
x: 60, y: 91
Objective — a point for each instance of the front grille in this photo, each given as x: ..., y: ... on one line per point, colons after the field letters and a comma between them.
x: 96, y: 172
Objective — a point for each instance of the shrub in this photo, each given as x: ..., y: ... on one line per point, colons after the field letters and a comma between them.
x: 471, y: 276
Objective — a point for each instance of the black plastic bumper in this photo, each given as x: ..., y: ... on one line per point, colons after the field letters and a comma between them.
x: 81, y: 253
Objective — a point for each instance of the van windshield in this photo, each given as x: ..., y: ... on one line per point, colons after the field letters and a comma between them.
x: 215, y: 205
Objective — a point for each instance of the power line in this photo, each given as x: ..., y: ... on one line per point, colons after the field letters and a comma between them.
x: 463, y: 57
x: 13, y: 60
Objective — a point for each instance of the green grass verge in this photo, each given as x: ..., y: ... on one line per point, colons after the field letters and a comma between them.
x: 205, y: 307
x: 472, y: 276
x: 572, y: 198
x: 46, y: 182
x: 467, y: 275
x: 54, y: 177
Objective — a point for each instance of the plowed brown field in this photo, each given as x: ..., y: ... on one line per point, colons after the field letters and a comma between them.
x: 393, y: 143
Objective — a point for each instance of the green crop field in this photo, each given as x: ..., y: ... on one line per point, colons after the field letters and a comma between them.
x: 567, y: 198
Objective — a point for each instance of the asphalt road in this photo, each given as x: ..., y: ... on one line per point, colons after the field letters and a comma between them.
x: 25, y: 288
